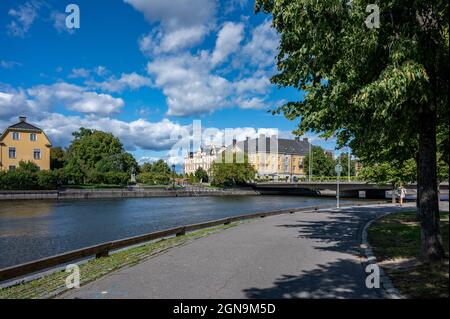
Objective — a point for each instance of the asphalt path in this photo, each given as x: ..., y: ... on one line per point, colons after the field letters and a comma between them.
x: 301, y: 255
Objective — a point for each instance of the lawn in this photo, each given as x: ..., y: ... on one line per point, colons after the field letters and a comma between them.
x: 395, y: 240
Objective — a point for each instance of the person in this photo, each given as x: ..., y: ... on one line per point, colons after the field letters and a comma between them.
x: 402, y: 194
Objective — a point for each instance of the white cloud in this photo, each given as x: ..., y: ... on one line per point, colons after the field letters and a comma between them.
x: 23, y: 18
x: 74, y: 98
x: 176, y: 14
x: 132, y: 81
x: 228, y: 40
x: 188, y: 85
x: 138, y: 134
x: 59, y: 22
x: 261, y: 50
x: 79, y: 73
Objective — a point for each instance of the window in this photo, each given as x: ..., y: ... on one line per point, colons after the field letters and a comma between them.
x: 37, y: 154
x: 16, y: 136
x: 33, y: 137
x: 12, y: 167
x: 12, y: 152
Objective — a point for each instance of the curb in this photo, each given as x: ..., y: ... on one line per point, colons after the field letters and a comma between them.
x: 385, y: 282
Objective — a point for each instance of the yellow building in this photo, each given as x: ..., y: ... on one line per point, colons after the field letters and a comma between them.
x: 24, y: 142
x: 276, y: 158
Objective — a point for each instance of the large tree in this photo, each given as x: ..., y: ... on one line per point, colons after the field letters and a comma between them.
x: 322, y: 163
x: 381, y: 91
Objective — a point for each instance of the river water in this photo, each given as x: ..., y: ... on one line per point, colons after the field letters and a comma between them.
x: 30, y: 230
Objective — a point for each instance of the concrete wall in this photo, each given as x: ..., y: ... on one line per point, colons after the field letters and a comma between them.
x: 116, y: 193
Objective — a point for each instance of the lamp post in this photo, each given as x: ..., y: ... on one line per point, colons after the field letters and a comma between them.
x: 349, y: 163
x: 173, y: 176
x: 338, y: 169
x: 310, y: 162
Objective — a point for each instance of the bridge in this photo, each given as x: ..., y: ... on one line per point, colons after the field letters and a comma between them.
x: 347, y: 189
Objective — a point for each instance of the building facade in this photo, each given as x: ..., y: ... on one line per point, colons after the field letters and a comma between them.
x: 203, y: 158
x: 24, y: 142
x: 276, y: 158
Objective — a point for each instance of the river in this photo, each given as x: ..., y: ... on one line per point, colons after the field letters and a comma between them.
x: 30, y: 230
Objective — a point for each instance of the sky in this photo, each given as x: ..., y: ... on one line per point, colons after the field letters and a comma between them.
x: 143, y: 70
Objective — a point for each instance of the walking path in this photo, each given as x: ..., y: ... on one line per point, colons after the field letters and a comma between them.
x: 302, y: 255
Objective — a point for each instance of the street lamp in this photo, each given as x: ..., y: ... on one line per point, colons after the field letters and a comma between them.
x: 173, y: 176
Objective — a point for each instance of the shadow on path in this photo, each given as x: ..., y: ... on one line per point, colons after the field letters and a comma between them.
x: 342, y: 277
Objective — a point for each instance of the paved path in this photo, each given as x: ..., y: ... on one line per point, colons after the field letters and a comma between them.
x: 303, y: 255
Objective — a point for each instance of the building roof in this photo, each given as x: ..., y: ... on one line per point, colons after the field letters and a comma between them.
x: 285, y: 146
x: 25, y: 126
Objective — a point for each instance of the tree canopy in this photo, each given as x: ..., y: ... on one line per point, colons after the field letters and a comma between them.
x: 382, y: 91
x: 227, y: 174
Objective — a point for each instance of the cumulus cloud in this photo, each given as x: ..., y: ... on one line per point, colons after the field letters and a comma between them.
x: 131, y: 81
x: 228, y: 40
x: 175, y: 14
x: 42, y: 98
x: 74, y: 98
x: 194, y: 84
x: 261, y: 50
x: 188, y: 85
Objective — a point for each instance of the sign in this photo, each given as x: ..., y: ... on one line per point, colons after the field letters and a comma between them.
x: 338, y: 169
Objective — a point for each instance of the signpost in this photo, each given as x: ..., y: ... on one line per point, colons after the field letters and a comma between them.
x: 338, y: 169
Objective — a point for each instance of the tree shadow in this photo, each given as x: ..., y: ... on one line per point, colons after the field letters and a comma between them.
x: 337, y: 280
x: 341, y: 278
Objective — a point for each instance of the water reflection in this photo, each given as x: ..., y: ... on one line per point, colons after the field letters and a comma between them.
x: 35, y: 229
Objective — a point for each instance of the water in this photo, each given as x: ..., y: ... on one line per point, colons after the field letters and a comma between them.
x: 30, y: 230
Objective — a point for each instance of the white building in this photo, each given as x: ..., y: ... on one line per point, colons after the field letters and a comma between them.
x: 204, y: 157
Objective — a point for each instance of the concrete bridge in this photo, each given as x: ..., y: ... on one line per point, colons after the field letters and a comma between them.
x: 346, y: 189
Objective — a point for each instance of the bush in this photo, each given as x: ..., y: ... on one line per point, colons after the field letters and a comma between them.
x: 28, y: 176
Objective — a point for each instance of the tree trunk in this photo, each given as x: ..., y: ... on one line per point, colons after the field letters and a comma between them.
x: 427, y: 196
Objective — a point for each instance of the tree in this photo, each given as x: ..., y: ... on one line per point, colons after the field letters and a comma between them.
x: 322, y: 164
x: 230, y: 174
x: 201, y: 175
x: 381, y: 91
x: 57, y: 157
x: 392, y: 173
x: 95, y: 156
x: 158, y: 172
x: 343, y: 159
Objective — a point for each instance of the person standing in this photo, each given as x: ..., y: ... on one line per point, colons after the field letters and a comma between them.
x: 402, y: 194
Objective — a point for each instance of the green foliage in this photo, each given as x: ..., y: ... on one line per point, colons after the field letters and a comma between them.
x: 28, y: 176
x: 322, y: 164
x: 57, y: 157
x: 368, y: 87
x: 96, y: 157
x: 233, y: 173
x: 158, y: 173
x: 201, y: 175
x: 390, y: 173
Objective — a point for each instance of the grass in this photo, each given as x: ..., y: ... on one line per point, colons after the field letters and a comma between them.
x: 54, y: 284
x: 395, y: 240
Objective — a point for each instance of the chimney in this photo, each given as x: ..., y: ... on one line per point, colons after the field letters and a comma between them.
x: 305, y: 139
x: 22, y: 119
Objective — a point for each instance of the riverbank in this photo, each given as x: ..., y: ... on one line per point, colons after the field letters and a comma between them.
x: 395, y: 240
x: 71, y: 194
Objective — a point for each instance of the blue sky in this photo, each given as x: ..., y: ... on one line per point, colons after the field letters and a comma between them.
x: 141, y: 69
